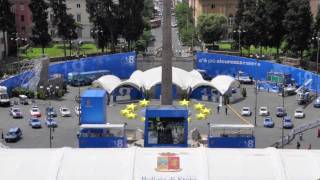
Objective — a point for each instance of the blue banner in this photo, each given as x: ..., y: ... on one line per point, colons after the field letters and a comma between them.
x: 231, y: 142
x: 121, y: 65
x: 102, y: 142
x: 218, y: 64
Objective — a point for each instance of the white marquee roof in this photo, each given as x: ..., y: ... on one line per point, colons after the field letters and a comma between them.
x: 142, y: 163
x: 183, y: 79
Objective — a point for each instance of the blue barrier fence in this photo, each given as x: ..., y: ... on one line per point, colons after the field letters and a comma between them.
x: 121, y: 65
x: 217, y: 64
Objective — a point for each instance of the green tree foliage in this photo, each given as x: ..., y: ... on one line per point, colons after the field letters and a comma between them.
x: 211, y: 27
x: 7, y: 23
x: 185, y: 22
x: 104, y: 15
x: 63, y: 21
x: 274, y: 12
x: 40, y: 35
x: 298, y: 21
x: 148, y: 9
x: 132, y: 20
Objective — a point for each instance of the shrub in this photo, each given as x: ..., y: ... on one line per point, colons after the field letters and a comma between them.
x: 41, y: 95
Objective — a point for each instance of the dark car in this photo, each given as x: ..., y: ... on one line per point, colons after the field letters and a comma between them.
x: 281, y: 112
x: 14, y: 135
x: 51, y: 112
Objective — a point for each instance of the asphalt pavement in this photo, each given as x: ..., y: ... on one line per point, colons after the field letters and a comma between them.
x: 65, y: 134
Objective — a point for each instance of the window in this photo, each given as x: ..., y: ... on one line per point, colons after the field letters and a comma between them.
x: 23, y: 29
x: 78, y: 17
x: 22, y: 18
x: 78, y: 6
x: 213, y: 6
x: 21, y: 6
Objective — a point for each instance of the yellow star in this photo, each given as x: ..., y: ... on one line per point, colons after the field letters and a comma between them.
x: 144, y: 103
x: 124, y: 112
x: 132, y: 107
x: 206, y: 111
x: 189, y: 119
x: 184, y: 102
x: 131, y: 115
x: 198, y: 106
x: 201, y: 116
x: 142, y: 119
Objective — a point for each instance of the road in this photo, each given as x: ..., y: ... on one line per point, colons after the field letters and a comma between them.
x: 65, y: 134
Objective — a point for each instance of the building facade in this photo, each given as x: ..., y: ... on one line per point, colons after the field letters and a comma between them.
x: 228, y: 8
x: 78, y: 9
x: 2, y: 50
x: 23, y: 17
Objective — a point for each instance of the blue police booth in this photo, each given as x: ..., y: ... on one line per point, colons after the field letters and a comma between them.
x: 93, y: 107
x: 166, y: 126
x: 231, y: 136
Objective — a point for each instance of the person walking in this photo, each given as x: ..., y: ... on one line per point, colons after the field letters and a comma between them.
x: 218, y: 109
x: 226, y: 110
x: 309, y: 147
x: 301, y: 136
x: 298, y: 145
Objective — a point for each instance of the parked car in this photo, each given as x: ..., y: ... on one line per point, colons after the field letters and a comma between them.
x: 51, y: 123
x: 244, y: 78
x: 77, y: 110
x: 14, y: 135
x: 246, y: 111
x: 35, y: 123
x: 264, y: 111
x: 233, y: 90
x: 317, y: 103
x: 268, y: 122
x: 281, y: 112
x: 298, y: 113
x: 35, y: 111
x: 51, y: 112
x: 15, y: 112
x: 65, y: 112
x: 287, y: 122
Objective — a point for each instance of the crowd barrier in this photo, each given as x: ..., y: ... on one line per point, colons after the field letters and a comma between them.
x: 218, y: 64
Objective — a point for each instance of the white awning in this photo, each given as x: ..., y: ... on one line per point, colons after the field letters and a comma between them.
x: 145, y: 163
x: 223, y: 83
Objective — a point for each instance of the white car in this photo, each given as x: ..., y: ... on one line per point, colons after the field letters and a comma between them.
x: 246, y: 111
x: 264, y: 111
x: 298, y: 113
x: 65, y: 112
x: 15, y: 112
x: 78, y: 110
x: 35, y: 111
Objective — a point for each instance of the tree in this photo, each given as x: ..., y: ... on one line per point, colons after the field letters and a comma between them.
x: 64, y: 22
x: 104, y: 15
x: 211, y: 27
x: 148, y: 9
x: 298, y: 21
x: 7, y: 23
x: 132, y: 20
x: 40, y: 35
x: 275, y: 11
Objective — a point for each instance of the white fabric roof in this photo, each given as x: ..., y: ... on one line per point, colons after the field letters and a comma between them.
x: 183, y: 79
x: 223, y: 83
x: 142, y: 163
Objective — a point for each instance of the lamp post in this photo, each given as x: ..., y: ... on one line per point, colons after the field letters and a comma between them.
x: 317, y: 38
x: 18, y: 39
x: 239, y: 31
x: 97, y: 33
x: 256, y: 92
x: 282, y: 129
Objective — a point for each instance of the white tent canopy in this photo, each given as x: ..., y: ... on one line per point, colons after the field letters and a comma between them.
x: 181, y: 78
x: 143, y: 163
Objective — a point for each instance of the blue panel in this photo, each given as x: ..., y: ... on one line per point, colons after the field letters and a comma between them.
x: 231, y: 142
x: 121, y: 65
x: 217, y: 64
x: 102, y: 142
x: 93, y: 107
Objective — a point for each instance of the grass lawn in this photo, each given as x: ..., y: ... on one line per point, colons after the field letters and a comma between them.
x: 56, y: 50
x: 253, y: 50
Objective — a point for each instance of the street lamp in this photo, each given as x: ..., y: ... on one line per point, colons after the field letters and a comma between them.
x: 317, y: 38
x: 239, y: 31
x: 97, y: 33
x: 256, y: 91
x: 282, y: 133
